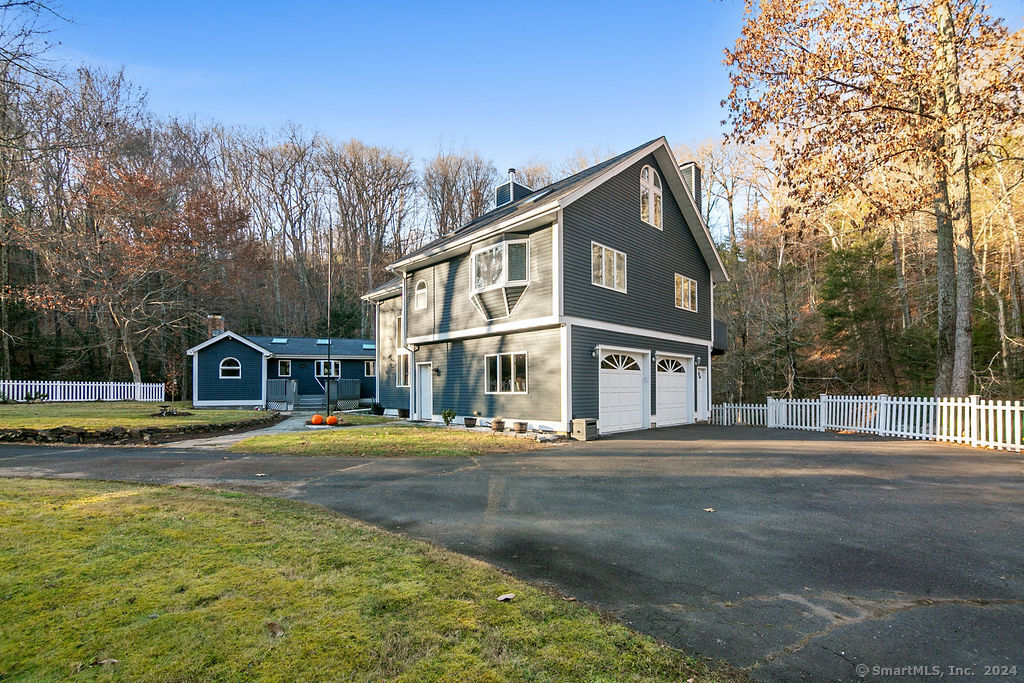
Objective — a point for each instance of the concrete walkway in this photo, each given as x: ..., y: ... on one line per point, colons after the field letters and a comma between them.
x: 297, y: 422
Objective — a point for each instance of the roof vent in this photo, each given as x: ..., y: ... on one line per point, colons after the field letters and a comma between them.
x: 510, y: 191
x: 322, y: 342
x: 369, y: 347
x: 278, y: 340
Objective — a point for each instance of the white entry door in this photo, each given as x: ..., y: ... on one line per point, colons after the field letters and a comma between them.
x: 702, y: 394
x: 673, y: 391
x: 424, y: 391
x: 621, y: 393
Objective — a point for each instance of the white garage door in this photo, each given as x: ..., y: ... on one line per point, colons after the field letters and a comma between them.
x: 672, y: 392
x: 622, y: 400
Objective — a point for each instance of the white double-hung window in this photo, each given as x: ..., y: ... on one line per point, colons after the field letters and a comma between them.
x: 607, y: 267
x: 505, y: 373
x: 505, y: 264
x: 686, y: 293
x: 328, y: 368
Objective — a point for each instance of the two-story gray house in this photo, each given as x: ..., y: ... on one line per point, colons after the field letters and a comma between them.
x: 590, y: 298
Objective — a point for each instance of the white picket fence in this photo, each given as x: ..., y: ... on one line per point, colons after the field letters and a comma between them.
x: 63, y: 392
x: 972, y: 420
x: 740, y: 414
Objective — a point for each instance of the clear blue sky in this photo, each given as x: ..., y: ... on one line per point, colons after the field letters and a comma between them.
x: 515, y: 80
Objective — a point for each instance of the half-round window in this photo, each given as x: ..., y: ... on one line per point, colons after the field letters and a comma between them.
x: 619, y: 361
x: 420, y: 297
x: 650, y: 196
x: 230, y: 368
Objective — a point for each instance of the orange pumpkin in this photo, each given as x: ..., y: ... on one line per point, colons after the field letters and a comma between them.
x: 332, y: 420
x: 317, y: 420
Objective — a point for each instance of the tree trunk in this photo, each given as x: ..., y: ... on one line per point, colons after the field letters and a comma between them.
x: 5, y: 341
x: 945, y: 273
x: 901, y: 278
x: 959, y: 194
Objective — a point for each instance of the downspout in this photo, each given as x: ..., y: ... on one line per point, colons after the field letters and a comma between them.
x: 405, y: 344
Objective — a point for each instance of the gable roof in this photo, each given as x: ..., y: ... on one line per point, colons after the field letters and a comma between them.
x: 295, y: 346
x: 563, y: 192
x: 227, y: 335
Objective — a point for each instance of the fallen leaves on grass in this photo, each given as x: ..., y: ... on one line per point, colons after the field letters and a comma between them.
x: 274, y: 629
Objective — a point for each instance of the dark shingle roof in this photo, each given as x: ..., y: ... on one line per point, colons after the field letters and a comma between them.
x: 553, y: 191
x: 307, y: 346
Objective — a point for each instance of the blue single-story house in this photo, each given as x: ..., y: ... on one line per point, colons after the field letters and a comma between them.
x: 232, y: 370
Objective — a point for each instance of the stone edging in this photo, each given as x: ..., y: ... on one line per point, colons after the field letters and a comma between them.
x: 115, y: 434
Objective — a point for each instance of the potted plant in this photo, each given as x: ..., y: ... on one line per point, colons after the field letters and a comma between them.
x: 403, y: 413
x: 470, y: 422
x: 519, y: 427
x: 498, y: 424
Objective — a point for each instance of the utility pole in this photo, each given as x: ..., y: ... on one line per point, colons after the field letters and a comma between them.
x: 330, y: 364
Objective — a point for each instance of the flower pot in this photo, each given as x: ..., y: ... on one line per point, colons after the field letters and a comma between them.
x: 403, y: 412
x: 519, y: 427
x: 498, y: 425
x: 470, y: 422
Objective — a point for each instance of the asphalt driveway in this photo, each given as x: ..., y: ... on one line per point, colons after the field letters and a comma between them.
x: 799, y: 555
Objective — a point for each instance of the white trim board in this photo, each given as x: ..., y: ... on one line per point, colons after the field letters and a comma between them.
x: 551, y: 321
x: 627, y: 329
x: 210, y: 404
x: 518, y: 326
x: 228, y: 335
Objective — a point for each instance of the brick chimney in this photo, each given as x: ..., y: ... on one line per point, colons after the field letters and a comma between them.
x: 214, y: 325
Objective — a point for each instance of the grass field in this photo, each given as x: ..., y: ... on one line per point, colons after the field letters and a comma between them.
x: 363, y: 418
x: 101, y: 415
x: 192, y: 584
x: 396, y: 441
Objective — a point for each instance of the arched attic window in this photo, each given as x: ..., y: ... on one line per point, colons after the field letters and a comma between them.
x: 650, y: 196
x: 230, y: 368
x: 420, y: 297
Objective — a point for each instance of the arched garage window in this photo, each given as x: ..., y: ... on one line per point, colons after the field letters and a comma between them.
x: 230, y: 368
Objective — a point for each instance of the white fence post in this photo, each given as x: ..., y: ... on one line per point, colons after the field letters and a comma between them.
x: 882, y: 415
x: 975, y: 421
x: 822, y: 411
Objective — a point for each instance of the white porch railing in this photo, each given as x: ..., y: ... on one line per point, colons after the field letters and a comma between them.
x: 63, y: 392
x: 972, y: 421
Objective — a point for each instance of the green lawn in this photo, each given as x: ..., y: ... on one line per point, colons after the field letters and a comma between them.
x: 387, y: 442
x: 363, y: 418
x: 101, y: 415
x: 191, y: 584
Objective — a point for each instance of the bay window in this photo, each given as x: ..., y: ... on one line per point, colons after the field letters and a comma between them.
x: 500, y: 265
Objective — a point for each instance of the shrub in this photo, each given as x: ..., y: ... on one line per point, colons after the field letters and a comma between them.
x: 447, y: 415
x: 376, y: 409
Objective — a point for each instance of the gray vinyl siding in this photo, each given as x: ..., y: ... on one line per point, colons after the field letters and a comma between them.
x: 449, y: 307
x: 610, y: 215
x: 211, y: 388
x: 391, y: 396
x: 585, y: 368
x: 460, y: 384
